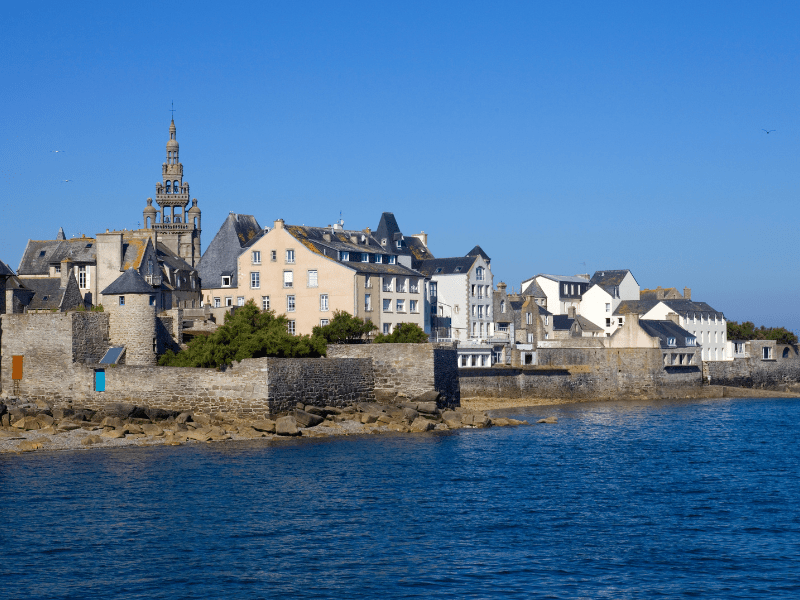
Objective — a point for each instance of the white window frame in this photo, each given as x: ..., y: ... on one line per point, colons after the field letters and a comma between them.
x: 368, y: 302
x: 291, y: 327
x: 255, y: 280
x: 291, y: 303
x: 264, y: 302
x: 255, y: 256
x: 401, y: 305
x: 289, y: 256
x: 288, y: 279
x: 413, y: 306
x: 313, y: 278
x: 387, y: 305
x: 224, y: 284
x: 323, y: 302
x: 239, y: 300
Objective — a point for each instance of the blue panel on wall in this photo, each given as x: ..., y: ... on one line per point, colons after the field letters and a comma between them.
x: 99, y: 381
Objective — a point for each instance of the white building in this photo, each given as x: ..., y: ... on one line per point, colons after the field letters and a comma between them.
x: 562, y: 291
x: 608, y: 289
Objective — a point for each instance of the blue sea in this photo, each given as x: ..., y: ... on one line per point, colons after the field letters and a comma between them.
x: 694, y: 499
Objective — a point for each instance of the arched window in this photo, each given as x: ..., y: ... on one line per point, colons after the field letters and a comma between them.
x: 785, y: 353
x: 195, y: 222
x: 175, y: 187
x: 166, y: 219
x: 169, y: 187
x: 177, y: 219
x: 147, y: 223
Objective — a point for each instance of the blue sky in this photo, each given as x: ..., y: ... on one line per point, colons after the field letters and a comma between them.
x: 561, y: 137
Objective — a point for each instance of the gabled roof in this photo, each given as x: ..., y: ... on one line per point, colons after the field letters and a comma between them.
x: 478, y: 251
x: 5, y: 271
x: 221, y: 255
x: 419, y: 251
x: 683, y: 306
x: 664, y: 330
x: 130, y: 282
x: 680, y: 306
x: 40, y: 254
x: 387, y: 228
x: 533, y: 289
x: 133, y: 250
x: 329, y: 241
x: 564, y: 323
x: 172, y: 260
x: 373, y: 268
x: 48, y: 292
x: 607, y: 279
x: 447, y: 266
x: 639, y: 307
x: 665, y: 292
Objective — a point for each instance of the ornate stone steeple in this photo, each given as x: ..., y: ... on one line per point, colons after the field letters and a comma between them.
x: 178, y: 228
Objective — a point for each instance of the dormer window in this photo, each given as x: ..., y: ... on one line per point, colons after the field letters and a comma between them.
x: 392, y: 259
x: 671, y: 342
x: 438, y: 270
x: 383, y: 242
x: 690, y: 341
x: 344, y: 256
x: 226, y: 281
x: 458, y: 269
x: 399, y: 243
x: 43, y: 252
x: 365, y: 257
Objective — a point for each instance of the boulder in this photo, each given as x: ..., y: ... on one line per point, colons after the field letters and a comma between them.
x: 152, y: 429
x: 450, y: 415
x: 550, y: 420
x: 306, y: 419
x: 332, y: 410
x: 201, y: 418
x: 29, y: 445
x: 421, y: 424
x: 428, y: 408
x: 429, y: 396
x: 159, y: 414
x: 198, y: 435
x: 123, y: 410
x: 132, y: 428
x: 264, y: 426
x: 5, y: 420
x: 286, y: 426
x: 27, y: 424
x: 316, y: 410
x: 113, y: 434
x: 453, y: 423
x: 367, y: 418
x: 63, y: 413
x: 112, y: 422
x: 67, y: 426
x: 384, y: 419
x: 481, y: 421
x: 467, y: 419
x: 16, y: 413
x: 91, y: 439
x: 183, y: 417
x: 410, y: 415
x: 83, y: 414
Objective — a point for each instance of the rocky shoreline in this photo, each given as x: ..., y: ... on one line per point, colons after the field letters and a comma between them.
x: 26, y: 427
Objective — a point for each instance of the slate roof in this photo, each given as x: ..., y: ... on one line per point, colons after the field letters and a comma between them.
x: 564, y: 278
x: 388, y: 228
x: 40, y: 254
x: 236, y: 233
x: 314, y: 238
x: 648, y: 293
x: 419, y: 252
x: 607, y: 279
x: 395, y: 269
x: 447, y: 266
x: 130, y: 282
x: 667, y: 329
x: 533, y: 289
x: 564, y: 323
x: 478, y: 251
x: 48, y: 292
x: 680, y: 306
x: 5, y: 271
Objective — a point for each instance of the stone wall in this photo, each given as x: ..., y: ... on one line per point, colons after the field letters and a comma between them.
x: 585, y: 374
x: 782, y: 374
x: 133, y: 325
x: 408, y: 368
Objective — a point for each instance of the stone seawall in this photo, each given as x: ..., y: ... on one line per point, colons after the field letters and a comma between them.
x: 408, y: 368
x: 585, y: 374
x: 779, y: 374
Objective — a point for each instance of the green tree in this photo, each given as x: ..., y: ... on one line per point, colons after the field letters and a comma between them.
x: 404, y: 333
x: 247, y: 333
x: 748, y: 331
x: 344, y: 328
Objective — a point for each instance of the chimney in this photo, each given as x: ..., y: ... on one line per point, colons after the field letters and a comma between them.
x: 279, y: 224
x: 571, y: 312
x: 66, y: 265
x: 673, y: 316
x: 632, y: 319
x: 423, y: 237
x: 501, y: 287
x: 326, y: 236
x: 687, y: 293
x: 367, y: 231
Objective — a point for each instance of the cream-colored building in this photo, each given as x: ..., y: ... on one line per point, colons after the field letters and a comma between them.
x: 308, y: 273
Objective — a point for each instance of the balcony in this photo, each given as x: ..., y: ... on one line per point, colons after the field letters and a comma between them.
x: 154, y: 280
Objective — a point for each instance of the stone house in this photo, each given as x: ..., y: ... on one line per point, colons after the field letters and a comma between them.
x: 678, y: 346
x: 574, y: 325
x: 307, y: 273
x: 5, y: 274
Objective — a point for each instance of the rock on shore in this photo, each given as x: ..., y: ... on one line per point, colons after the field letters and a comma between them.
x: 27, y: 427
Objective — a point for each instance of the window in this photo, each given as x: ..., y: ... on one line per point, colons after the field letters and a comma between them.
x: 378, y: 258
x: 323, y: 302
x: 387, y: 328
x: 264, y: 302
x: 414, y: 286
x: 344, y: 256
x: 546, y: 321
x: 620, y: 320
x: 228, y: 300
x: 608, y: 307
x: 392, y: 260
x: 528, y: 319
x: 402, y: 285
x: 288, y: 279
x: 323, y: 322
x: 472, y: 293
x: 58, y: 269
x: 438, y: 270
x: 401, y: 305
x: 413, y: 306
x: 152, y: 300
x: 226, y: 281
x: 387, y: 284
x: 690, y: 341
x: 82, y: 277
x: 480, y: 312
x: 383, y: 242
x: 365, y: 257
x: 387, y: 305
x: 671, y: 342
x: 367, y: 302
x: 766, y: 352
x: 432, y: 287
x: 122, y: 300
x: 457, y: 269
x: 217, y: 303
x: 256, y: 257
x: 312, y: 278
x: 255, y: 280
x: 399, y: 243
x: 274, y: 255
x: 290, y: 327
x: 608, y: 322
x: 290, y: 256
x: 239, y: 300
x: 289, y: 303
x: 566, y: 289
x: 530, y: 338
x: 42, y: 253
x: 479, y: 273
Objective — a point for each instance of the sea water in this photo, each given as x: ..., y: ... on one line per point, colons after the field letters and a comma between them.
x: 618, y: 500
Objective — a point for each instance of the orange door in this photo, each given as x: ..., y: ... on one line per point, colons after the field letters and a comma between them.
x: 16, y: 367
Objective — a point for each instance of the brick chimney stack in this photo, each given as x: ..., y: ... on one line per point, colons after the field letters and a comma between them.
x: 571, y: 312
x: 674, y: 317
x: 66, y: 265
x: 687, y: 293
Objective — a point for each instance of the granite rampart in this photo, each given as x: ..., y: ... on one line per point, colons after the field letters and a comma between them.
x: 779, y: 374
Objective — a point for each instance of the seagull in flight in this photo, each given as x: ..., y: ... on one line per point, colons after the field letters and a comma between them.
x: 56, y: 150
x: 66, y: 180
x: 768, y: 131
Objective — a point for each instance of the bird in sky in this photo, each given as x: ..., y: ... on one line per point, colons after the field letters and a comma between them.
x: 56, y: 150
x: 768, y: 131
x: 67, y: 180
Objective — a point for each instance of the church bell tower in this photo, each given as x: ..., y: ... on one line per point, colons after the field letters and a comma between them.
x: 177, y: 227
